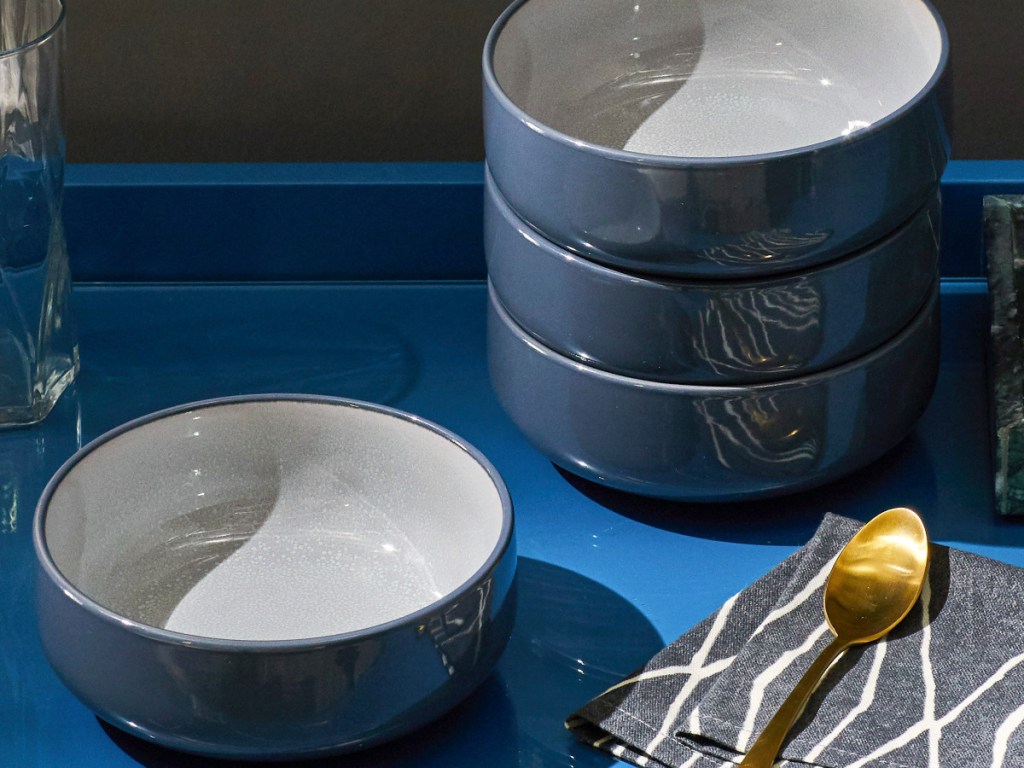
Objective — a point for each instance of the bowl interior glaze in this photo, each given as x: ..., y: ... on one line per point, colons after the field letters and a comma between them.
x: 273, y: 519
x: 715, y: 78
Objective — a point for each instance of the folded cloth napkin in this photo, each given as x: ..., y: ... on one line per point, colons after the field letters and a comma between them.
x: 945, y: 688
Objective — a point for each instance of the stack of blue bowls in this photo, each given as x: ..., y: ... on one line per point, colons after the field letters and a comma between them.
x: 712, y: 236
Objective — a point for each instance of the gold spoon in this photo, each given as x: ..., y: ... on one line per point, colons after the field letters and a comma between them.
x: 874, y: 583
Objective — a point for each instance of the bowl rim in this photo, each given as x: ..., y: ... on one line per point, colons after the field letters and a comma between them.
x: 675, y: 283
x: 921, y: 316
x: 49, y: 567
x: 683, y: 161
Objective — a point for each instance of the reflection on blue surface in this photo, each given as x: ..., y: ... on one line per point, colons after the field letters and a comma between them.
x: 574, y: 639
x: 485, y: 723
x: 903, y: 477
x: 605, y: 578
x: 27, y: 458
x: 166, y: 346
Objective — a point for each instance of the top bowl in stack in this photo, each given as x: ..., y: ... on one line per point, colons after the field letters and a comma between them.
x: 715, y: 139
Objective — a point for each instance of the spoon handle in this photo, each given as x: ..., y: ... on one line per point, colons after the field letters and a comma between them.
x: 768, y: 744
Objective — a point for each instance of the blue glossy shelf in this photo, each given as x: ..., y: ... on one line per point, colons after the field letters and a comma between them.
x: 351, y: 221
x: 605, y: 578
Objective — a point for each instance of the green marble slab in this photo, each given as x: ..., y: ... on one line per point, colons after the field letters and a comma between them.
x: 1004, y: 247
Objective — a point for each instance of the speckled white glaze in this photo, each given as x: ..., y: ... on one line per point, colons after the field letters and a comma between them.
x: 273, y: 520
x: 715, y: 78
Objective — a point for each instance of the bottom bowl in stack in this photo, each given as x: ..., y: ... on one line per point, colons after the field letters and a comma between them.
x: 714, y: 442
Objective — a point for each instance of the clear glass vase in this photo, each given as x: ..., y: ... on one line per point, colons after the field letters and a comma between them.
x: 38, y: 350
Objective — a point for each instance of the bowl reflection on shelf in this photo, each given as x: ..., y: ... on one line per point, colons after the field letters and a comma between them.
x: 216, y: 344
x: 574, y: 638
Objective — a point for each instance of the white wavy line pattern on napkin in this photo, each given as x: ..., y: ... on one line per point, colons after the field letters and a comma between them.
x: 770, y: 675
x: 921, y: 726
x: 866, y: 699
x: 1003, y: 734
x: 930, y: 726
x: 700, y: 671
x: 928, y: 674
x: 679, y: 669
x: 691, y: 683
x: 799, y: 598
x: 693, y: 723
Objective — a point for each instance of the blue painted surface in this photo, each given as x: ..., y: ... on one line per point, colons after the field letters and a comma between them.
x: 964, y: 187
x: 605, y: 578
x: 381, y: 221
x: 273, y: 222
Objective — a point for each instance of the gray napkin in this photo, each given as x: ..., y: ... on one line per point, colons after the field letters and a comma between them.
x: 946, y: 688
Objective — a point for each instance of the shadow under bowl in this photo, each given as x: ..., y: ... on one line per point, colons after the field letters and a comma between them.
x: 277, y: 576
x: 715, y: 139
x: 697, y: 332
x: 714, y: 443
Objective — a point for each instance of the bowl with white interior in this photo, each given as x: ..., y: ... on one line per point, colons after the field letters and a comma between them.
x: 710, y: 331
x: 273, y: 577
x: 706, y: 443
x: 715, y: 139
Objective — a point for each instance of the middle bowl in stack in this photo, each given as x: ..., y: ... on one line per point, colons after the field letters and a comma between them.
x: 708, y: 332
x: 711, y: 236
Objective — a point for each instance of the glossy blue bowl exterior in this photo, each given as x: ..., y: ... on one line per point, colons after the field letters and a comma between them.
x: 270, y: 700
x: 723, y: 332
x: 704, y: 443
x: 716, y: 217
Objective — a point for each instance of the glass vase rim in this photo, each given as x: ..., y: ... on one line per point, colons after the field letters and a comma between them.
x: 42, y: 37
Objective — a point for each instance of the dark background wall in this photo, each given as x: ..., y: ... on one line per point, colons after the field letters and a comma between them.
x: 373, y: 80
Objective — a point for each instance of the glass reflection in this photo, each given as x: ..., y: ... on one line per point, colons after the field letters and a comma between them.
x: 28, y: 457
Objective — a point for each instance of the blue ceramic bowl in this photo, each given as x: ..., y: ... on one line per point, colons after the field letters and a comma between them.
x: 276, y: 576
x: 711, y: 139
x: 723, y: 332
x: 714, y: 443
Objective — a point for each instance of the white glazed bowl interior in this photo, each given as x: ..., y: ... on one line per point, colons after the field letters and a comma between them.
x: 715, y: 78
x: 274, y: 520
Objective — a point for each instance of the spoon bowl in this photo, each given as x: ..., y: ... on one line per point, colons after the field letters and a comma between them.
x: 874, y: 583
x: 877, y: 577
